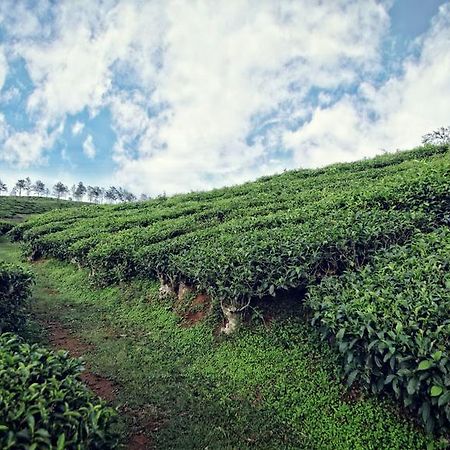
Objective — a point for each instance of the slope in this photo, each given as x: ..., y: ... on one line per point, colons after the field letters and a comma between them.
x: 289, y: 232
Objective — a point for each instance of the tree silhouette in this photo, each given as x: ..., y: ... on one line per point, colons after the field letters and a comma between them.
x: 60, y: 190
x: 79, y: 191
x: 28, y: 185
x: 39, y: 188
x: 20, y: 185
x: 3, y: 187
x: 95, y: 194
x: 437, y: 137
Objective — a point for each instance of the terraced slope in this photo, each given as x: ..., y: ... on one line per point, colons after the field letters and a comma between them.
x: 252, y: 240
x: 16, y: 209
x: 290, y: 232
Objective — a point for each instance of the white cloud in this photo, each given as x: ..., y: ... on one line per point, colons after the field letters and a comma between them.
x: 392, y: 116
x: 3, y: 67
x: 89, y: 147
x: 77, y: 128
x: 213, y: 65
x: 23, y: 148
x: 73, y: 69
x: 226, y: 62
x: 187, y: 83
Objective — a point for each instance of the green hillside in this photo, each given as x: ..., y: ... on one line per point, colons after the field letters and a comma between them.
x: 365, y: 245
x: 17, y: 208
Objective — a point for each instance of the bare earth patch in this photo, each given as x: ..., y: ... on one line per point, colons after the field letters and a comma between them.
x: 61, y: 338
x: 199, y: 308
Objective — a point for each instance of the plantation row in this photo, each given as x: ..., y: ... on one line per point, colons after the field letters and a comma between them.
x: 43, y: 403
x: 256, y: 241
x: 14, y: 209
x: 298, y: 230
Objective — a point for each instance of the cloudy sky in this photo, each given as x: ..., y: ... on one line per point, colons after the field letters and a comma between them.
x: 185, y: 95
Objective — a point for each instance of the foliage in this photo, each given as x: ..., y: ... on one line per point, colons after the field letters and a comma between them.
x: 5, y: 227
x: 273, y: 386
x: 256, y: 240
x: 259, y: 238
x: 15, y: 289
x: 391, y: 322
x: 43, y: 403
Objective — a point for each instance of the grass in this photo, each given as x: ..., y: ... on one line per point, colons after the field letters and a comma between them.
x: 270, y: 386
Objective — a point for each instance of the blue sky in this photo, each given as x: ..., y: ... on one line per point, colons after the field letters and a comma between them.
x: 180, y: 96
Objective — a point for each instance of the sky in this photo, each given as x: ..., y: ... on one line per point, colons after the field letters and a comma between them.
x: 175, y: 96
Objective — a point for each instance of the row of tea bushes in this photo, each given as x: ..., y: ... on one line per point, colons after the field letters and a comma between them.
x: 254, y: 243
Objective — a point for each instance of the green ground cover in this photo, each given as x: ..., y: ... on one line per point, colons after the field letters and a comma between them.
x: 273, y: 385
x: 14, y: 208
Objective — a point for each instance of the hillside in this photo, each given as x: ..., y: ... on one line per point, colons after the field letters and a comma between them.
x: 365, y: 246
x: 17, y: 208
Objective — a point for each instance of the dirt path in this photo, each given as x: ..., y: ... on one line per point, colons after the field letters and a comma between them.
x: 62, y: 338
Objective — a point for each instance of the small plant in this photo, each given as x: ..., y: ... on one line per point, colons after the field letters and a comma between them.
x: 5, y: 227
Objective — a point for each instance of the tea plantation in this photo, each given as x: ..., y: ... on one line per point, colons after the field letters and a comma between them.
x: 365, y: 247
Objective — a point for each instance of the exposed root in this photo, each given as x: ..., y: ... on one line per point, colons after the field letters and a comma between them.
x: 167, y: 289
x: 233, y: 316
x: 184, y: 290
x: 35, y: 255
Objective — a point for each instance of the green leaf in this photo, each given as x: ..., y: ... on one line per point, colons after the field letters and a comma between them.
x: 412, y: 385
x: 340, y: 334
x: 436, y: 391
x: 351, y: 378
x: 425, y: 365
x: 61, y: 442
x: 425, y: 410
x: 437, y: 355
x: 444, y: 398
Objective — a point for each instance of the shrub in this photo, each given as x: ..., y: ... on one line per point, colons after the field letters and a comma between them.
x: 5, y: 227
x: 43, y: 404
x: 15, y: 289
x: 390, y: 321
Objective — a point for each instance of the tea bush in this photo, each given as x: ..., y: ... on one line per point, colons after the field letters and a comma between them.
x: 391, y: 322
x: 43, y: 403
x: 13, y: 207
x: 5, y: 227
x: 15, y: 288
x: 256, y: 239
